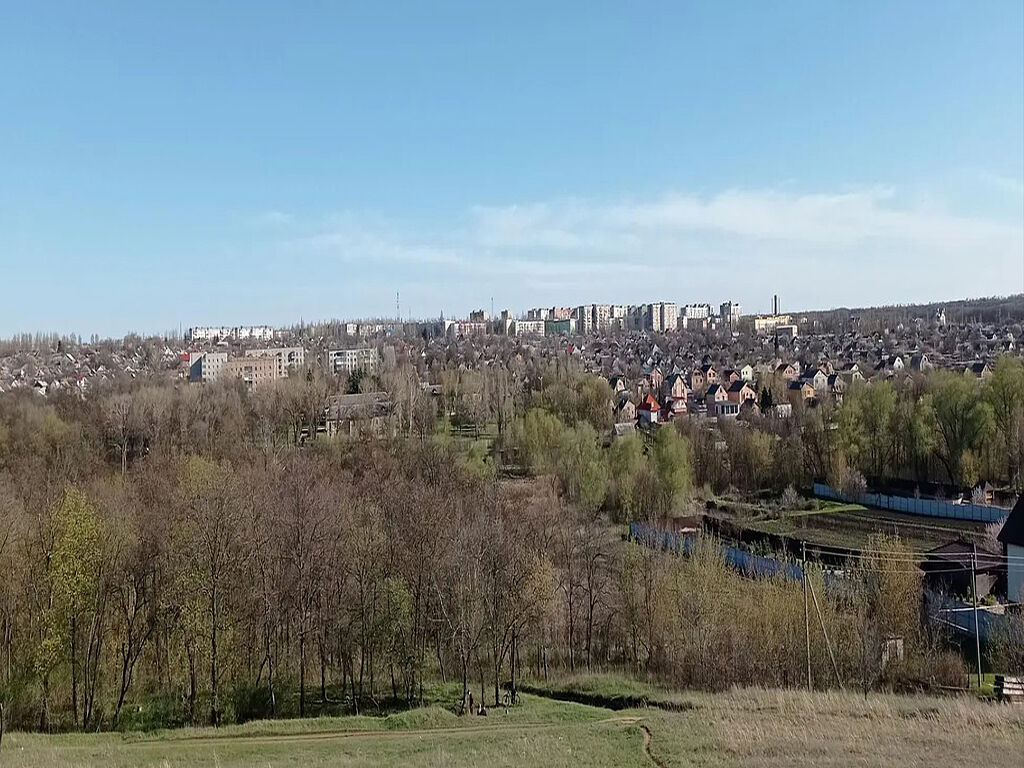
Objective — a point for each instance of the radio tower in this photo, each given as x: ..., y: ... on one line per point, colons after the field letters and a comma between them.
x: 398, y: 307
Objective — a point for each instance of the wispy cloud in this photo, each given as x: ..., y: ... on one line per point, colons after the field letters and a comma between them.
x: 823, y: 248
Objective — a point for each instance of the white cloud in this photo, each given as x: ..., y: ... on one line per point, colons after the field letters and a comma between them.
x: 853, y: 246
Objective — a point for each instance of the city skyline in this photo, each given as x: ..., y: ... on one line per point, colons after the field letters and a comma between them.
x: 270, y: 164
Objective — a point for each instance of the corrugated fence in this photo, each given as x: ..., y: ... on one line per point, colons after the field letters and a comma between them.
x: 978, y: 513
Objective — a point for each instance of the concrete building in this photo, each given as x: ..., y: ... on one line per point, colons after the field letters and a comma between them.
x: 206, y: 366
x: 730, y: 312
x: 254, y: 332
x: 351, y: 360
x: 766, y: 323
x: 253, y: 370
x: 479, y: 316
x: 462, y: 328
x: 564, y: 327
x: 288, y: 358
x: 527, y: 328
x: 694, y: 316
x: 660, y: 316
x: 236, y: 333
x: 787, y: 331
x: 584, y: 317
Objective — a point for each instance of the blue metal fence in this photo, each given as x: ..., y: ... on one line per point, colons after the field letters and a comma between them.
x: 978, y: 513
x: 747, y: 563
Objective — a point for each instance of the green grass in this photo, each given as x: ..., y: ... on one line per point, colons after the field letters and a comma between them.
x: 988, y: 683
x: 740, y: 728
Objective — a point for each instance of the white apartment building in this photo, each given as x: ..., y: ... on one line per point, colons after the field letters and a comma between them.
x: 238, y: 332
x: 694, y: 315
x: 255, y: 332
x: 352, y: 360
x: 527, y: 327
x: 669, y: 316
x: 210, y: 332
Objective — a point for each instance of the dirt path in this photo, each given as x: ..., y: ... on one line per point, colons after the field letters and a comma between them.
x: 396, y: 734
x: 647, y: 747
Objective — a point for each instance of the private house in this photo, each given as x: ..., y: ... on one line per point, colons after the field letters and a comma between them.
x: 739, y: 392
x: 624, y: 409
x: 728, y: 376
x: 675, y: 387
x: 617, y: 383
x: 710, y: 374
x: 747, y: 373
x: 920, y: 363
x: 836, y: 386
x: 715, y: 393
x: 786, y: 371
x: 697, y: 381
x: 656, y: 378
x: 799, y: 391
x: 648, y: 410
x: 1012, y: 538
x: 978, y: 370
x: 819, y: 380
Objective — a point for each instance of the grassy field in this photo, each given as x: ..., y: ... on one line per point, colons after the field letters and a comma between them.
x: 741, y: 728
x: 850, y: 526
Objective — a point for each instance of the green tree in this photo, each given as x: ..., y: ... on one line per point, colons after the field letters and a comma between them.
x: 963, y: 420
x: 75, y: 565
x: 865, y: 426
x: 581, y: 469
x: 1004, y: 392
x: 626, y: 463
x: 672, y: 467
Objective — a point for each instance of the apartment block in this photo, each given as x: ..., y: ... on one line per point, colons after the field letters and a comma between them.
x: 694, y: 315
x: 224, y: 332
x: 206, y: 366
x: 351, y: 360
x: 288, y: 358
x: 253, y: 370
x: 730, y: 312
x: 527, y: 327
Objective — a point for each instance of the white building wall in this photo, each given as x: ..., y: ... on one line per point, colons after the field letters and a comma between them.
x: 1014, y: 573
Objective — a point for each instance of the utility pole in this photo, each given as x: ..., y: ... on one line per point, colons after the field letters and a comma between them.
x: 974, y: 600
x: 824, y: 632
x: 807, y: 621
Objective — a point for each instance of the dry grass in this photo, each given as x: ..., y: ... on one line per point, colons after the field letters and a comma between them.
x: 790, y: 728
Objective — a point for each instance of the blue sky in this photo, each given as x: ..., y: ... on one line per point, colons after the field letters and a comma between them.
x: 226, y: 163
